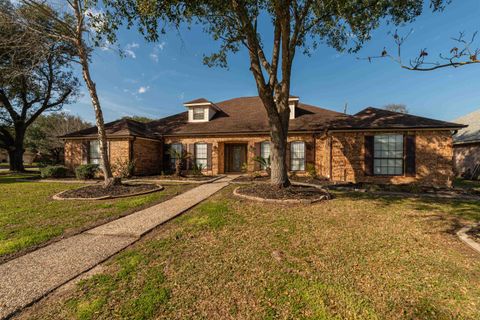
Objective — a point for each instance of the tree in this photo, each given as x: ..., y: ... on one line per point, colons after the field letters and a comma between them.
x: 43, y: 135
x: 294, y: 24
x: 139, y: 119
x: 83, y: 28
x: 36, y: 76
x: 463, y: 53
x: 401, y: 108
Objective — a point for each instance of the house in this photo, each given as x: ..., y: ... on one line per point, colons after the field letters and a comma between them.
x: 373, y: 145
x: 466, y: 144
x: 3, y: 156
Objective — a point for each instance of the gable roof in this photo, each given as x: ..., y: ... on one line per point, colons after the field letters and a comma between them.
x: 247, y: 115
x: 374, y: 118
x: 118, y: 128
x: 472, y: 132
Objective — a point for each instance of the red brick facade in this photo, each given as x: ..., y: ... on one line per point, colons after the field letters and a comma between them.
x: 337, y: 156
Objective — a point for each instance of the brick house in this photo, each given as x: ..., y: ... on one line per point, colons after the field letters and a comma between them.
x: 373, y: 145
x: 466, y: 144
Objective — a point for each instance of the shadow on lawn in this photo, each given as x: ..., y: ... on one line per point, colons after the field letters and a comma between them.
x: 455, y: 212
x: 9, y: 177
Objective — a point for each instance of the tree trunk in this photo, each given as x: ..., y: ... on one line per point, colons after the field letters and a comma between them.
x: 16, y: 157
x: 278, y: 154
x: 16, y: 151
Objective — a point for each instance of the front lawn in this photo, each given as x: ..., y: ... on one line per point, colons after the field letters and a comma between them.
x: 29, y: 216
x: 354, y: 257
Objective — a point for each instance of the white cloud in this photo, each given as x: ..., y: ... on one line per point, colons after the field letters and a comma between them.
x: 143, y: 89
x: 129, y: 49
x: 154, y: 56
x: 156, y: 50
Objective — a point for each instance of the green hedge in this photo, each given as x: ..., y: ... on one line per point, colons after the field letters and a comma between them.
x: 53, y: 172
x: 86, y: 171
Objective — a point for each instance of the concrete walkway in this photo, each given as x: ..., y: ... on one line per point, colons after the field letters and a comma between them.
x: 28, y: 278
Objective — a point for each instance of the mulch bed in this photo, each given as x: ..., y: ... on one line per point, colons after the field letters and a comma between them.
x: 181, y: 178
x: 309, y: 180
x: 98, y: 191
x: 294, y: 192
x: 474, y: 233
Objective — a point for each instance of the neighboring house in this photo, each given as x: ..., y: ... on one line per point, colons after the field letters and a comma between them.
x: 28, y: 156
x: 373, y: 145
x: 466, y: 143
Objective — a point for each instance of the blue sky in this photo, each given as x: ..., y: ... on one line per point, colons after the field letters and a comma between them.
x: 154, y: 79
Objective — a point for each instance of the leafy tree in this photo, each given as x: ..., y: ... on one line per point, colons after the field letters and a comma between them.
x: 401, y: 108
x: 139, y: 119
x: 294, y: 24
x: 36, y: 76
x: 43, y: 135
x: 82, y: 25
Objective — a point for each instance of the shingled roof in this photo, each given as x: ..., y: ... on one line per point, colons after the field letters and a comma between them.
x: 119, y: 128
x: 247, y: 115
x: 470, y: 134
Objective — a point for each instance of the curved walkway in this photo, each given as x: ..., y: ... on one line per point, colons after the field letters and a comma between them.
x: 28, y: 278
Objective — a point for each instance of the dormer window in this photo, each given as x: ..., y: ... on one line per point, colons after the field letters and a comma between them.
x: 198, y: 113
x: 200, y: 110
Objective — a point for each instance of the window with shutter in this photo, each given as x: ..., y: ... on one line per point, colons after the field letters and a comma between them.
x: 297, y: 156
x: 388, y: 155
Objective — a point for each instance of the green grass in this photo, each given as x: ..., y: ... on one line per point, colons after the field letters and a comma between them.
x: 355, y: 257
x: 466, y: 184
x: 29, y: 217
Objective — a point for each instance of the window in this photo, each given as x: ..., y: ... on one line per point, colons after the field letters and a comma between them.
x: 265, y: 153
x: 201, y: 154
x: 94, y: 152
x: 177, y: 150
x: 297, y: 156
x: 198, y: 113
x: 388, y: 155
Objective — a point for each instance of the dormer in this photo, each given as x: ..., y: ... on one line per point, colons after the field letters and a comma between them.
x: 293, y: 103
x: 200, y: 110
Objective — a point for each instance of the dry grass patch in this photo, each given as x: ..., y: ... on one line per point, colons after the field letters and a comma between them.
x: 349, y: 258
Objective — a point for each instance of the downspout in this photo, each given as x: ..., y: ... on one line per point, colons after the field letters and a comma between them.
x: 331, y: 156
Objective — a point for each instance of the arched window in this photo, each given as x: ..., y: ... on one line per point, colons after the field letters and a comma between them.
x: 297, y: 156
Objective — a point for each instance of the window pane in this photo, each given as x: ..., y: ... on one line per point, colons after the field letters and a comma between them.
x: 297, y: 155
x: 201, y: 154
x: 198, y: 113
x: 94, y: 152
x: 264, y: 152
x: 388, y: 154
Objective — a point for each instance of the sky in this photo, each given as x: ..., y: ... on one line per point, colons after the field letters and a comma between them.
x: 154, y: 79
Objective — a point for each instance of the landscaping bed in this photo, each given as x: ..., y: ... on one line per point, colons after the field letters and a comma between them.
x: 474, y: 233
x: 293, y: 193
x: 177, y: 178
x: 298, y: 179
x: 115, y: 191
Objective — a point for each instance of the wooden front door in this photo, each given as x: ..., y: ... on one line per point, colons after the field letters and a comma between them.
x: 235, y: 157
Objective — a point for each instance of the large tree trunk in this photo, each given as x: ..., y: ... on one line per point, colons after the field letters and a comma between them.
x: 15, y: 152
x: 16, y: 158
x: 102, y: 137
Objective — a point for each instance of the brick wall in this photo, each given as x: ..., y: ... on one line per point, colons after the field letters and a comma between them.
x: 434, y: 159
x: 74, y: 153
x: 219, y: 142
x: 148, y: 156
x: 466, y: 156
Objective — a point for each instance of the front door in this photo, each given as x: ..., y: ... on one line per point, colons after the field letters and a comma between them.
x: 235, y: 157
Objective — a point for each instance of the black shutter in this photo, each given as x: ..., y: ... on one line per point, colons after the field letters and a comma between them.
x: 209, y: 156
x: 369, y: 146
x: 288, y: 156
x: 85, y: 152
x: 258, y: 153
x: 309, y: 153
x: 167, y: 166
x: 410, y: 170
x: 191, y: 158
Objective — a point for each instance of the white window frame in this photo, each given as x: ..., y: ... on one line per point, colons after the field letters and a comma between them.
x: 94, y: 160
x: 201, y: 160
x: 388, y: 155
x: 265, y: 151
x: 196, y: 112
x: 297, y: 159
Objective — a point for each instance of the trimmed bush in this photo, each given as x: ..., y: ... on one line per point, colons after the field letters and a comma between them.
x: 86, y: 171
x: 53, y: 172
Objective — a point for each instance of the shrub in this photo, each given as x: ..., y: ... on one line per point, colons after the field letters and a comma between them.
x: 312, y: 172
x: 197, y: 169
x: 53, y: 172
x: 86, y: 171
x: 124, y: 169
